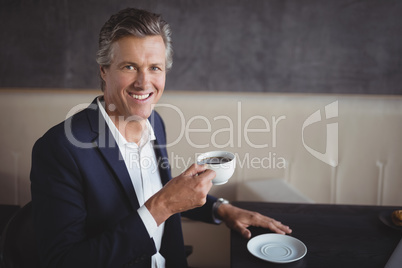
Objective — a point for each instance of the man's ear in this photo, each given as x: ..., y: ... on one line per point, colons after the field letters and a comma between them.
x: 102, y: 71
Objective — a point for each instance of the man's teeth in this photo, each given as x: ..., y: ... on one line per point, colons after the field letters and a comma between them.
x: 140, y: 97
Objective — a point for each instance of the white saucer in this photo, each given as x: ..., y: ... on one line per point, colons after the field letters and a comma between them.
x: 277, y: 248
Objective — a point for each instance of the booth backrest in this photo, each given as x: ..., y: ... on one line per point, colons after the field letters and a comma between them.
x: 328, y: 148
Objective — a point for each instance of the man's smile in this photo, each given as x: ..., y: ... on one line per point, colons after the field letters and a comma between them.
x: 141, y: 96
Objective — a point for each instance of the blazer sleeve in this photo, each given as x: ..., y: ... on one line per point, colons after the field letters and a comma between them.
x: 72, y: 231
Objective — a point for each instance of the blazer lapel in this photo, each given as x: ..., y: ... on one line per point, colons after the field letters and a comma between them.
x: 107, y: 146
x: 160, y: 147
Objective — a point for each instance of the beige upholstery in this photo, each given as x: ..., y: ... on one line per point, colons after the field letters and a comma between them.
x: 280, y: 141
x: 272, y: 190
x: 270, y: 135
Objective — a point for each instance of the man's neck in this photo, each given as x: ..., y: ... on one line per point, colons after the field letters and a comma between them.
x: 131, y: 130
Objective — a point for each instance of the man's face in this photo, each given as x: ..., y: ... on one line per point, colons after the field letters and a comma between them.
x: 135, y: 80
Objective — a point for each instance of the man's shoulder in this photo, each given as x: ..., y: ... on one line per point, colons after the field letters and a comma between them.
x: 75, y: 127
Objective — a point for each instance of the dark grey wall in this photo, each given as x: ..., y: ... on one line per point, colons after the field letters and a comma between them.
x: 336, y: 46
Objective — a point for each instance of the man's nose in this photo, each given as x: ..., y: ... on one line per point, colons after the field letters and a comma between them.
x: 142, y: 79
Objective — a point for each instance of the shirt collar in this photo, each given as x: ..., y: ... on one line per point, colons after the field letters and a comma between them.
x: 149, y: 131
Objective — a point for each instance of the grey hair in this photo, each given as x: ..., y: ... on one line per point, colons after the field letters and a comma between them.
x: 132, y: 22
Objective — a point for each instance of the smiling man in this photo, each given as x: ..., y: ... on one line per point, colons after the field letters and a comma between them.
x: 100, y: 206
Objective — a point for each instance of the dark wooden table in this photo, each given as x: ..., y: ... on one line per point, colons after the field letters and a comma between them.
x: 336, y: 236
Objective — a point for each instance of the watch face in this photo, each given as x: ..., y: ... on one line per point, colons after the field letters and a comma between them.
x: 223, y: 201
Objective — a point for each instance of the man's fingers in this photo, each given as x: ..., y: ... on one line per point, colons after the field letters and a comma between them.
x: 195, y: 169
x: 208, y: 173
x: 200, y: 170
x: 278, y: 227
x: 242, y: 230
x: 272, y: 224
x: 246, y: 233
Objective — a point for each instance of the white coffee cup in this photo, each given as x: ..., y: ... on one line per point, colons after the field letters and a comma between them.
x: 222, y: 162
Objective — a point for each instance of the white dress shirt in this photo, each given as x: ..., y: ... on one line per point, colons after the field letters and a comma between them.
x: 142, y: 167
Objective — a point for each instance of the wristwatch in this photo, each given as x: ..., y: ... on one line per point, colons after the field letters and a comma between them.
x: 215, y: 207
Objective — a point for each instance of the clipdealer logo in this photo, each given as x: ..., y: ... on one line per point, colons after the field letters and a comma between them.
x: 330, y: 156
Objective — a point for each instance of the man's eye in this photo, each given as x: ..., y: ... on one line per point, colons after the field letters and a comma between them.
x: 129, y: 67
x: 155, y: 68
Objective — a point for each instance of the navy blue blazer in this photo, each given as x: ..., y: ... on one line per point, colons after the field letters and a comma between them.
x: 85, y: 206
